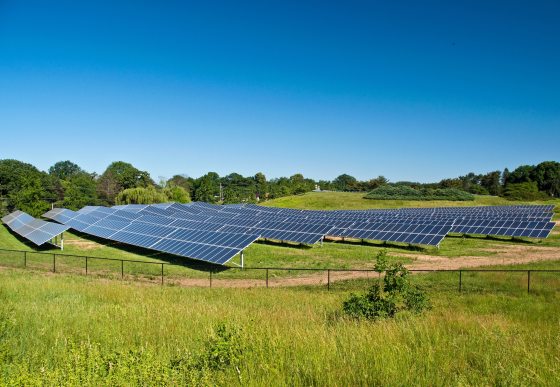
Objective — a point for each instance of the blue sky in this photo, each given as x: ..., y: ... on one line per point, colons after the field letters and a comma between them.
x: 402, y: 89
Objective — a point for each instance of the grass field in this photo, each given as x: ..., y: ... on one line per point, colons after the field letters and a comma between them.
x: 356, y: 201
x: 66, y: 329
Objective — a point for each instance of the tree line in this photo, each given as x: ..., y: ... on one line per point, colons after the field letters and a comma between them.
x: 66, y: 184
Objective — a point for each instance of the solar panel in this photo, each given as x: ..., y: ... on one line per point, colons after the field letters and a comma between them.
x: 150, y: 230
x: 180, y: 228
x: 36, y: 230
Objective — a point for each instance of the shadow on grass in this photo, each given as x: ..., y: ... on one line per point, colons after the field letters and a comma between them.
x: 167, y: 258
x: 363, y: 242
x: 270, y: 242
x: 494, y: 238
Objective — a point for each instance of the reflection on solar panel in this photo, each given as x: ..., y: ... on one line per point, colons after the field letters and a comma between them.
x: 36, y: 230
x: 156, y: 232
x: 169, y: 226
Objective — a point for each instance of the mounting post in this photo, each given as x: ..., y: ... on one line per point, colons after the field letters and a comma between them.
x: 61, y: 241
x: 242, y: 259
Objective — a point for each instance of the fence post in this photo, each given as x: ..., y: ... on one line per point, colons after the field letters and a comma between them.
x: 54, y: 263
x: 267, y: 278
x: 328, y: 279
x: 122, y: 269
x: 86, y: 264
x: 162, y: 273
x: 460, y: 280
x: 210, y: 278
x: 25, y: 259
x: 528, y: 281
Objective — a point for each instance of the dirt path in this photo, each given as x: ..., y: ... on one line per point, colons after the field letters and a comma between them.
x: 506, y: 255
x: 501, y: 255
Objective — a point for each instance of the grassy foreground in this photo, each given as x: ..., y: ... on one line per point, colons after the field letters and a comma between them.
x: 69, y: 330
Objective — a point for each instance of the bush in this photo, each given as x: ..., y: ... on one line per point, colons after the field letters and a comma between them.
x: 404, y: 192
x: 524, y: 191
x: 224, y: 349
x: 389, y: 296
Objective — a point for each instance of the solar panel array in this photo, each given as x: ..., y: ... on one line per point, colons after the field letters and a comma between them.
x: 155, y: 232
x: 36, y: 230
x: 225, y: 230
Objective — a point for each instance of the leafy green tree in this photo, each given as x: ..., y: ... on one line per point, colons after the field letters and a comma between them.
x: 79, y: 190
x: 24, y: 187
x: 279, y: 187
x: 325, y: 185
x: 521, y: 174
x: 372, y: 184
x: 208, y: 188
x: 182, y: 181
x: 141, y: 195
x: 261, y: 186
x: 345, y: 182
x: 120, y: 176
x: 505, y: 177
x: 65, y: 170
x: 547, y: 177
x: 491, y: 181
x: 524, y: 191
x: 177, y: 194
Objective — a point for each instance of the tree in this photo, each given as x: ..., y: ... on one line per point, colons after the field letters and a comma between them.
x: 120, y: 176
x: 299, y: 184
x: 372, y: 184
x: 177, y: 194
x: 505, y: 177
x: 547, y: 177
x: 261, y: 186
x: 24, y: 187
x: 65, y: 170
x: 182, y: 181
x: 523, y: 191
x: 345, y: 182
x: 79, y: 190
x: 521, y: 174
x: 141, y: 195
x: 208, y: 188
x: 491, y: 181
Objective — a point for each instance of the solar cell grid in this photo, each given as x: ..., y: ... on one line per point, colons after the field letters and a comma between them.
x: 36, y: 230
x: 422, y: 226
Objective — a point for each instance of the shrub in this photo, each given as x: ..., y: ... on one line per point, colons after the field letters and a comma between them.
x: 389, y: 296
x: 404, y: 192
x: 224, y: 348
x: 524, y: 191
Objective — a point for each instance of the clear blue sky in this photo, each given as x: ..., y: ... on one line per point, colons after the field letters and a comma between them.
x: 410, y: 90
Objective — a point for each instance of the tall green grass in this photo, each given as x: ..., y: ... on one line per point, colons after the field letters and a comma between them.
x: 68, y: 330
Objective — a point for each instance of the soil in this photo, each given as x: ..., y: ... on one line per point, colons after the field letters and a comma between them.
x: 82, y: 244
x: 506, y: 255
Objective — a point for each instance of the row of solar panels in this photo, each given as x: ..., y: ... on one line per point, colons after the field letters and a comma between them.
x: 154, y: 233
x: 300, y: 232
x: 505, y: 223
x: 36, y: 230
x: 217, y: 233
